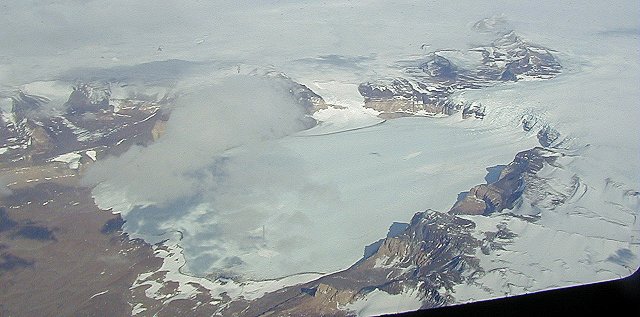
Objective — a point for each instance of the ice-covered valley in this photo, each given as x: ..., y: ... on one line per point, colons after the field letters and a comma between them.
x: 312, y: 203
x: 239, y: 193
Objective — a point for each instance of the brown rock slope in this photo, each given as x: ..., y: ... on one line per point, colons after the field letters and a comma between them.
x: 433, y: 253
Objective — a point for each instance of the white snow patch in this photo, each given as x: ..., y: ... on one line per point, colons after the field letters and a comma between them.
x: 80, y: 133
x: 379, y: 302
x: 412, y: 155
x: 98, y: 294
x: 137, y: 309
x: 91, y: 154
x: 116, y: 104
x: 108, y: 197
x: 174, y: 261
x: 53, y: 90
x: 333, y: 120
x: 339, y: 93
x: 72, y: 159
x: 255, y: 290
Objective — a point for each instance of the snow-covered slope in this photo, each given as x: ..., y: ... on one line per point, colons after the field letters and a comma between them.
x: 593, y: 235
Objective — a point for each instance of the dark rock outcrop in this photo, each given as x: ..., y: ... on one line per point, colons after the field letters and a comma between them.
x: 439, y: 67
x: 88, y: 98
x: 548, y: 136
x: 93, y: 119
x: 520, y: 58
x: 431, y: 80
x: 26, y: 105
x: 305, y: 97
x: 399, y: 95
x: 473, y: 109
x: 435, y: 252
x: 487, y: 198
x: 497, y: 240
x: 113, y: 225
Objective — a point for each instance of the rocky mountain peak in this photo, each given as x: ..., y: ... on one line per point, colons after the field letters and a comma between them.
x: 25, y: 105
x: 439, y: 66
x: 88, y: 98
x: 502, y: 194
x: 431, y: 80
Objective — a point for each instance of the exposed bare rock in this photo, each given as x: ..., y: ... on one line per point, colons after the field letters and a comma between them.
x: 473, y: 109
x: 65, y: 218
x: 496, y: 240
x: 439, y: 67
x: 519, y: 59
x: 40, y: 140
x: 88, y: 98
x: 529, y: 122
x: 311, y: 101
x: 26, y: 105
x: 402, y: 96
x: 431, y: 80
x: 434, y: 253
x: 54, y: 254
x: 158, y: 129
x: 37, y: 137
x: 487, y: 198
x: 306, y: 97
x: 548, y: 136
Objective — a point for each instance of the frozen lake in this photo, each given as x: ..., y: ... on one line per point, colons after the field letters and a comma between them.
x: 312, y: 203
